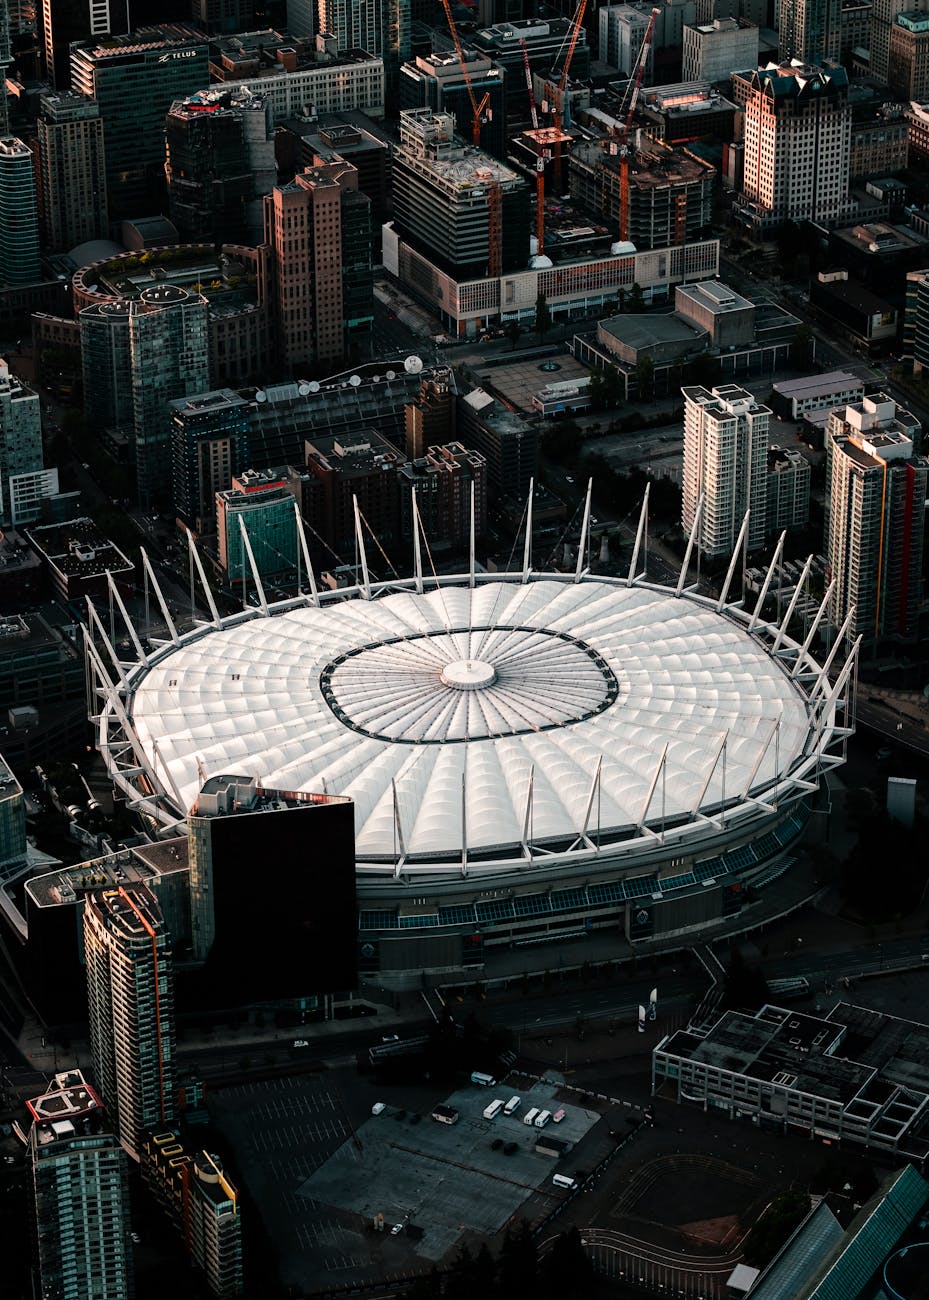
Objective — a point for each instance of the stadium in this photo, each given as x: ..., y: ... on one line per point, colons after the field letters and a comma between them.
x: 531, y: 756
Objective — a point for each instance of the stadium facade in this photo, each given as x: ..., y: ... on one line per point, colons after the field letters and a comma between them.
x: 531, y: 756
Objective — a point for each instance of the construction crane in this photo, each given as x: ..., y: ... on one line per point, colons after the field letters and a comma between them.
x: 632, y: 92
x: 559, y: 96
x: 532, y: 107
x: 480, y: 109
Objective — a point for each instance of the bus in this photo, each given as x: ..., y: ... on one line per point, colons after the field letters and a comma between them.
x: 529, y: 1117
x: 562, y: 1180
x: 494, y: 1109
x: 512, y: 1106
x: 483, y: 1080
x: 542, y: 1118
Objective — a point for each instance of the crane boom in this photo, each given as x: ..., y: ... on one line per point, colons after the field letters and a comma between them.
x: 477, y: 108
x: 563, y: 84
x: 532, y: 108
x: 633, y: 89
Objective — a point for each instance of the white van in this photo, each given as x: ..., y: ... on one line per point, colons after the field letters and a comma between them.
x: 512, y: 1106
x: 542, y: 1118
x: 493, y: 1109
x: 378, y: 1108
x: 562, y: 1180
x: 529, y: 1117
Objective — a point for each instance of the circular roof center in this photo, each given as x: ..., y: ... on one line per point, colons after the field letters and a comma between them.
x: 468, y: 683
x: 468, y: 675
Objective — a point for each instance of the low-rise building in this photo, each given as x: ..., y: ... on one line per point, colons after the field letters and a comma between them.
x: 852, y: 1075
x: 866, y: 318
x: 78, y: 558
x: 686, y: 111
x: 792, y: 398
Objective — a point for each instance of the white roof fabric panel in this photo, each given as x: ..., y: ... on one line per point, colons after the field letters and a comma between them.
x: 454, y: 697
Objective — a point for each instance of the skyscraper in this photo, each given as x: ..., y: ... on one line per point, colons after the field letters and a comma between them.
x: 809, y: 30
x: 20, y: 426
x: 320, y: 229
x: 874, y: 527
x: 135, y: 79
x: 19, y: 218
x: 220, y: 163
x: 6, y: 58
x: 437, y: 81
x: 209, y: 446
x: 138, y: 356
x: 80, y: 1193
x: 884, y: 15
x: 379, y: 27
x: 798, y: 124
x: 72, y: 171
x: 130, y: 997
x: 725, y: 461
x: 261, y: 500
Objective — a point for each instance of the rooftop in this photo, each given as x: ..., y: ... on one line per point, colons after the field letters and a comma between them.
x: 715, y: 297
x: 649, y: 331
x: 832, y: 381
x: 69, y: 1097
x: 130, y: 911
x: 141, y: 41
x: 78, y: 549
x: 137, y: 865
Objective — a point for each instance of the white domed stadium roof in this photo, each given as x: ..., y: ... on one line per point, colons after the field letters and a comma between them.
x: 436, y: 712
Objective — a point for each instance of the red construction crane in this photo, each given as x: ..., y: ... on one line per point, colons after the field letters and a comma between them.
x: 480, y: 109
x: 632, y: 98
x: 532, y: 108
x: 559, y: 97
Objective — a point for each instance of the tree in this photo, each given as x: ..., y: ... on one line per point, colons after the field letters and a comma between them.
x: 636, y: 301
x: 645, y: 374
x: 513, y: 331
x: 543, y: 317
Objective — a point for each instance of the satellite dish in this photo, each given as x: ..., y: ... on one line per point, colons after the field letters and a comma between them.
x: 375, y: 379
x: 413, y: 365
x: 261, y: 395
x: 303, y: 389
x: 391, y: 374
x: 355, y: 381
x: 313, y: 385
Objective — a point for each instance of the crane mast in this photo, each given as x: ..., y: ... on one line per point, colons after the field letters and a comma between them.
x: 635, y: 85
x: 563, y: 85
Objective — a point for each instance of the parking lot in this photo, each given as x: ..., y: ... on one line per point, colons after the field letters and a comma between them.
x: 446, y: 1180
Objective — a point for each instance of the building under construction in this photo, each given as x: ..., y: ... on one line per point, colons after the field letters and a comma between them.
x: 465, y: 210
x: 670, y: 192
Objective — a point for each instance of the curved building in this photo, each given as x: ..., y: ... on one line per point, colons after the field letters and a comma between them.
x: 529, y: 756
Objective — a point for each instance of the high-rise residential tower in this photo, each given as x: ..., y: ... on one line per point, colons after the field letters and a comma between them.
x: 220, y: 163
x: 725, y: 462
x: 379, y: 27
x: 798, y: 124
x: 130, y: 997
x: 319, y: 227
x: 874, y: 528
x: 209, y: 447
x: 80, y: 1191
x: 72, y: 171
x: 20, y: 426
x: 809, y: 30
x: 19, y: 218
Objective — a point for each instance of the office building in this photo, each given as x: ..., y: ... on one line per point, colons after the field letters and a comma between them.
x: 508, y: 444
x: 234, y: 826
x: 62, y: 22
x: 687, y: 111
x: 342, y: 469
x: 147, y: 71
x: 19, y: 218
x: 20, y: 426
x: 445, y: 479
x: 788, y: 494
x: 319, y: 227
x: 197, y: 1195
x: 350, y: 137
x: 879, y: 143
x: 430, y: 417
x: 460, y: 206
x: 219, y: 164
x: 294, y: 73
x: 808, y: 30
x: 670, y: 192
x: 915, y: 343
x: 130, y: 1004
x: 725, y: 463
x: 875, y: 520
x: 712, y: 50
x: 908, y: 58
x: 219, y: 16
x: 6, y: 58
x: 546, y: 42
x: 80, y: 1195
x: 259, y: 500
x: 379, y: 27
x: 850, y: 1076
x: 797, y: 145
x: 71, y: 171
x: 12, y: 823
x: 854, y: 28
x: 623, y: 28
x: 209, y: 447
x: 884, y: 16
x: 138, y: 355
x: 437, y: 81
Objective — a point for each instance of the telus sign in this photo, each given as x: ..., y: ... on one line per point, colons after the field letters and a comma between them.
x: 177, y: 54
